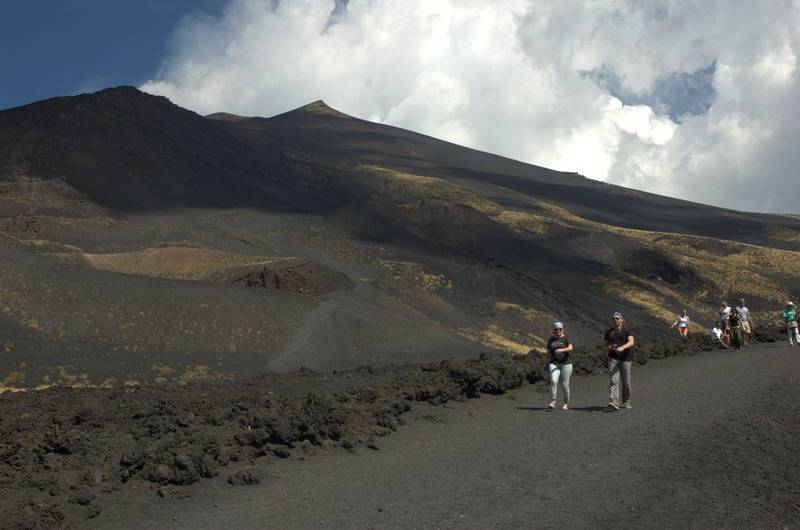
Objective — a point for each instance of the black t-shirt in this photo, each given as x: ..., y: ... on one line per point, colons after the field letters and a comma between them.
x: 557, y: 343
x: 618, y: 338
x: 734, y: 320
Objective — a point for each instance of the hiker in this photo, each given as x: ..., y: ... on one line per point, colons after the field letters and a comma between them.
x: 620, y: 358
x: 736, y: 330
x: 682, y: 323
x: 559, y: 365
x: 724, y: 313
x: 718, y: 338
x: 790, y: 319
x: 744, y: 319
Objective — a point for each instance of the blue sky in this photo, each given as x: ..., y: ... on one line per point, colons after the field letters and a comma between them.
x: 61, y: 47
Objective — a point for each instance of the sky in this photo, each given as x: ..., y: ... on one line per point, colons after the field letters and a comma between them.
x: 65, y: 47
x: 695, y: 100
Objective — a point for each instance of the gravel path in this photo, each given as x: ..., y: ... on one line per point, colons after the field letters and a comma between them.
x: 712, y: 441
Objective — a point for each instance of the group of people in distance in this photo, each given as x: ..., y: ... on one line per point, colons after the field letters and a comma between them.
x: 734, y: 327
x: 618, y: 341
x: 732, y: 331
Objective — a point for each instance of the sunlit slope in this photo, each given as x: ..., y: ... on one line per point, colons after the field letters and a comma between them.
x: 317, y: 132
x: 658, y: 272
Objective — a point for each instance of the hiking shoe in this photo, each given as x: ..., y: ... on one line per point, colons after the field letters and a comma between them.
x: 613, y: 405
x: 626, y: 405
x: 552, y: 404
x: 564, y: 407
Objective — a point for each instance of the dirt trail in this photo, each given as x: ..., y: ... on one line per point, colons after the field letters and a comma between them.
x: 711, y: 442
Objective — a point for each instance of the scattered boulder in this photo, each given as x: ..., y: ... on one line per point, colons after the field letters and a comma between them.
x: 306, y: 278
x: 244, y: 477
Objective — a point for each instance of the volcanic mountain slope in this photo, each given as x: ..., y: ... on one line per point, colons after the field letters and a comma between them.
x: 142, y: 242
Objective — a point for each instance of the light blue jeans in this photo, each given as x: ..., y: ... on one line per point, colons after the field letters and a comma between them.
x: 615, y: 368
x: 560, y: 372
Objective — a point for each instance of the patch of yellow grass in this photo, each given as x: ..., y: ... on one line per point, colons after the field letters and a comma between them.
x: 783, y: 233
x: 11, y: 389
x: 496, y: 337
x: 161, y: 371
x: 417, y: 274
x: 50, y: 194
x: 12, y: 381
x: 52, y: 246
x: 77, y: 380
x: 183, y: 263
x: 730, y: 278
x: 652, y: 297
x: 524, y: 222
x: 405, y: 188
x: 651, y: 302
x: 199, y: 372
x: 108, y: 383
x: 15, y: 308
x: 529, y: 313
x: 33, y: 324
x: 59, y: 376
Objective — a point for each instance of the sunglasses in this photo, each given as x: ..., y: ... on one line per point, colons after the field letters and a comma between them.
x: 617, y: 318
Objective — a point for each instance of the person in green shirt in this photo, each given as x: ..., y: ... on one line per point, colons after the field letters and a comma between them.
x: 790, y: 319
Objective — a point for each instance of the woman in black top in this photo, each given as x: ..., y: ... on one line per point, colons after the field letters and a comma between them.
x: 736, y: 329
x: 559, y: 364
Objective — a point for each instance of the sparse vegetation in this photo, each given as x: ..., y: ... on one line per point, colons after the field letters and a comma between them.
x: 403, y: 188
x: 183, y: 263
x: 417, y: 275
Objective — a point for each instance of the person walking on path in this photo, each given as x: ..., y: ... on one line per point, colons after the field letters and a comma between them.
x: 724, y: 313
x: 790, y: 319
x: 559, y: 365
x: 745, y: 320
x: 619, y: 343
x: 736, y: 330
x: 682, y: 323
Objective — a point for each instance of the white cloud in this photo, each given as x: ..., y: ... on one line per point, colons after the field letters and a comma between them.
x: 509, y: 77
x: 644, y: 123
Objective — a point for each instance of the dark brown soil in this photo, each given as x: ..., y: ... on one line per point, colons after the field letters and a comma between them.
x: 710, y: 443
x: 65, y: 449
x: 307, y: 278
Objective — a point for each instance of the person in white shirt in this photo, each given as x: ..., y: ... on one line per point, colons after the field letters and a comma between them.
x: 746, y: 320
x: 724, y: 314
x: 682, y: 323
